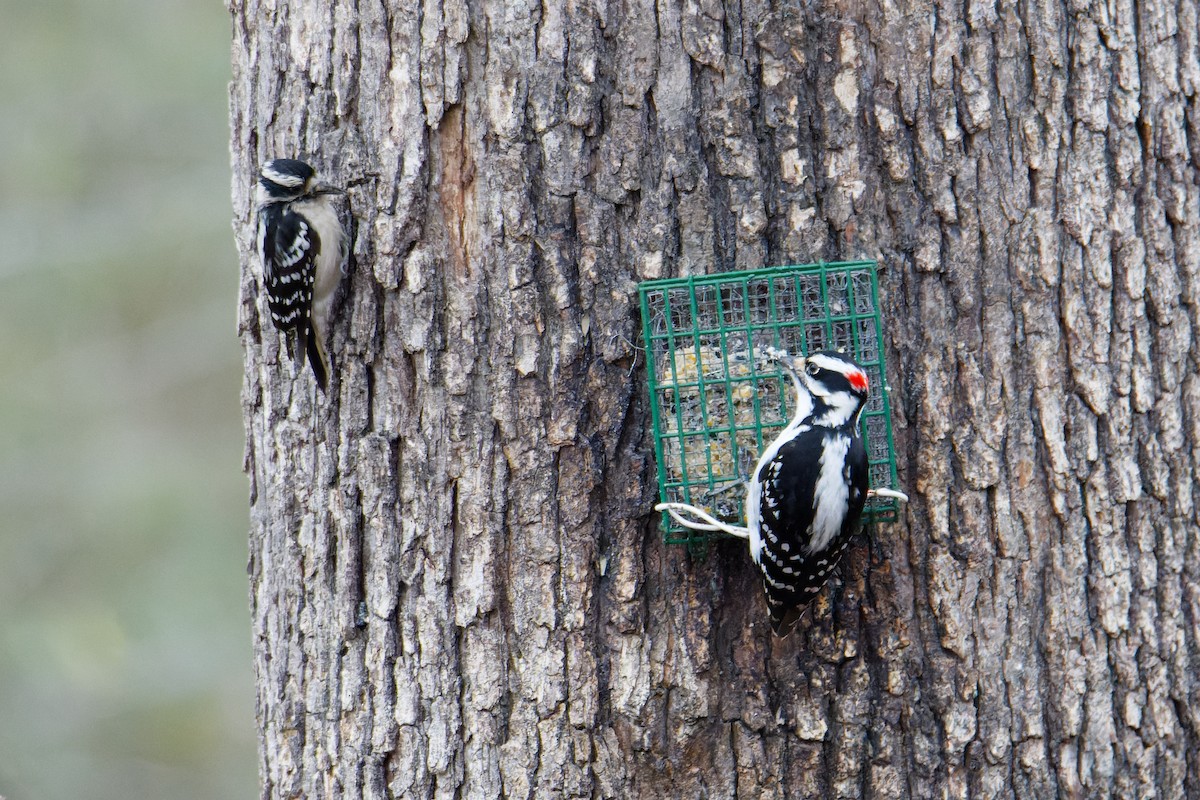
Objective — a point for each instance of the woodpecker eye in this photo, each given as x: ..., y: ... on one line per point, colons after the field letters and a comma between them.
x: 812, y: 369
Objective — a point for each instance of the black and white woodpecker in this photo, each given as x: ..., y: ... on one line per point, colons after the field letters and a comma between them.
x: 303, y: 247
x: 807, y: 492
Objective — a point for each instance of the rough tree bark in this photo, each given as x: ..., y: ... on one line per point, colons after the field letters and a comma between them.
x: 457, y: 584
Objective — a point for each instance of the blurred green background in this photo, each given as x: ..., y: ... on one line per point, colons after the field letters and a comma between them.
x: 124, y: 630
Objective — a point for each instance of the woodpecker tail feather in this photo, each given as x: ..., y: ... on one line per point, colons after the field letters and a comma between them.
x: 317, y: 359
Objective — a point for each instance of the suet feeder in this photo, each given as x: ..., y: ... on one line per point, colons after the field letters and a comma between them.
x: 716, y: 403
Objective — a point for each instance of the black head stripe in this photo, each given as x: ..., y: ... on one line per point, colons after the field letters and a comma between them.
x: 288, y: 172
x: 834, y: 381
x: 832, y: 366
x: 285, y: 177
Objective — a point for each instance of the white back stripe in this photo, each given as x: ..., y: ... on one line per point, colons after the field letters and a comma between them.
x: 832, y: 497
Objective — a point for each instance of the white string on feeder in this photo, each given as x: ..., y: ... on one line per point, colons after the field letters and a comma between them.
x: 710, y: 523
x: 707, y: 523
x: 891, y: 494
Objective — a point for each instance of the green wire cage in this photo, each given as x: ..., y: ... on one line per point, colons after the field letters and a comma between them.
x: 715, y: 406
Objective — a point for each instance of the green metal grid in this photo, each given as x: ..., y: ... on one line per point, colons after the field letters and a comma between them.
x: 715, y: 406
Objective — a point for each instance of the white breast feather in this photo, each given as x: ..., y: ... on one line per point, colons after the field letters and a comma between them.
x: 753, y: 515
x: 329, y: 262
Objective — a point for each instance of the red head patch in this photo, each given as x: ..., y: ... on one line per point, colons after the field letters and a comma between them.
x: 858, y: 380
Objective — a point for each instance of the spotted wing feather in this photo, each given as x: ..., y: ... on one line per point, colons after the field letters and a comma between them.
x: 290, y: 250
x: 793, y: 575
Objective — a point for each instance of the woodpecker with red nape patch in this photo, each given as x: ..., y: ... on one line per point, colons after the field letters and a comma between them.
x: 807, y: 492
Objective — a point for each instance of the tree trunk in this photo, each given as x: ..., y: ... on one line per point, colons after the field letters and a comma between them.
x: 458, y: 585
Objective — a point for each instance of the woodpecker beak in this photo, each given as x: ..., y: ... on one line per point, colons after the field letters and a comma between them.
x: 792, y: 363
x: 325, y: 188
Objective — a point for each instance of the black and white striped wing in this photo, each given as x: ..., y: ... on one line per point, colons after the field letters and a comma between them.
x: 290, y: 247
x: 813, y: 492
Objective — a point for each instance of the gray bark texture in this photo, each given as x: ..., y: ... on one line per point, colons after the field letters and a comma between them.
x: 457, y: 582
